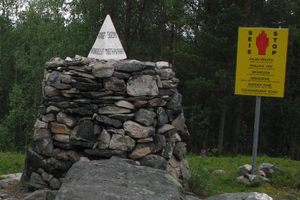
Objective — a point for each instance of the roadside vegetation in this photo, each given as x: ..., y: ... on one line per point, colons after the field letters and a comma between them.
x: 203, y: 182
x: 11, y: 163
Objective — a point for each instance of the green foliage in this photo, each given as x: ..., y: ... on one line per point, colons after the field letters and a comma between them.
x: 11, y: 162
x: 281, y: 183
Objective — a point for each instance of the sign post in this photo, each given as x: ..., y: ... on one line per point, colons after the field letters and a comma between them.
x: 260, y: 69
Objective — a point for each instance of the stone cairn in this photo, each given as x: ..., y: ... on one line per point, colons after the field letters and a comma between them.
x: 95, y: 109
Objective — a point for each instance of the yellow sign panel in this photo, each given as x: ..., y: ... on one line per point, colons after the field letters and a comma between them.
x: 261, y: 62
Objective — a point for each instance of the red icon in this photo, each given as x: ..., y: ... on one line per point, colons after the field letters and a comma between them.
x: 262, y: 42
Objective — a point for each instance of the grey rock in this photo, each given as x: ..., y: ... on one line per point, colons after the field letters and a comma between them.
x: 84, y: 131
x: 143, y: 85
x: 137, y: 131
x: 105, y: 153
x: 269, y: 169
x: 166, y: 128
x: 54, y: 184
x: 179, y: 123
x: 104, y: 140
x: 122, y: 117
x: 163, y: 64
x: 116, y: 131
x: 42, y: 195
x: 108, y: 121
x: 40, y: 124
x: 180, y: 150
x: 124, y: 104
x: 48, y: 117
x: 52, y: 109
x: 130, y: 66
x: 117, y: 179
x: 102, y: 70
x: 145, y: 116
x: 244, y: 169
x: 175, y: 102
x: 51, y: 91
x: 36, y: 181
x: 114, y: 84
x: 145, y: 140
x: 165, y: 73
x: 185, y: 170
x: 121, y: 75
x: 145, y: 72
x: 113, y: 110
x: 87, y: 110
x: 52, y: 77
x: 82, y: 86
x: 162, y: 117
x: 191, y: 197
x: 60, y: 86
x: 82, y: 74
x: 156, y: 102
x: 167, y: 151
x: 61, y: 138
x: 66, y: 78
x: 121, y: 142
x: 241, y: 196
x: 66, y: 155
x: 65, y: 119
x: 168, y: 84
x: 154, y: 161
x: 42, y: 142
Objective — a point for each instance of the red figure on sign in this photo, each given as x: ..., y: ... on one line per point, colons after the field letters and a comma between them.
x: 262, y: 42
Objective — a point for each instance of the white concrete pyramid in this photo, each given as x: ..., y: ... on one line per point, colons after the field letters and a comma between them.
x: 107, y: 45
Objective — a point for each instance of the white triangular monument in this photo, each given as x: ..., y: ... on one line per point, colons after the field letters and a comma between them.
x: 107, y: 45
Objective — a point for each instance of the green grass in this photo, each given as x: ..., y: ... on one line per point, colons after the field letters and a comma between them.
x: 205, y: 184
x: 11, y: 163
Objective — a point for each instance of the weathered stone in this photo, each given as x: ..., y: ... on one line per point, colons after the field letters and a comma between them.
x: 42, y: 142
x: 113, y: 110
x: 41, y: 195
x: 96, y: 94
x: 179, y: 123
x: 52, y: 109
x: 122, y: 117
x: 140, y: 103
x: 105, y: 153
x: 145, y: 72
x: 85, y: 80
x: 66, y: 78
x: 168, y: 84
x: 244, y: 169
x: 185, y: 170
x: 48, y: 118
x: 86, y: 86
x: 82, y: 74
x: 165, y: 73
x: 84, y: 131
x: 36, y: 181
x: 62, y: 138
x: 145, y: 117
x: 130, y: 66
x: 114, y: 84
x: 104, y: 140
x: 40, y: 124
x: 124, y: 104
x: 173, y: 137
x: 159, y: 143
x: 140, y: 151
x: 180, y: 150
x: 65, y: 119
x: 163, y: 64
x: 162, y: 117
x: 167, y: 151
x: 269, y: 169
x: 110, y: 180
x: 87, y: 110
x: 154, y: 161
x: 59, y: 128
x: 143, y: 85
x: 54, y: 184
x: 116, y: 131
x: 241, y: 196
x: 66, y: 155
x: 121, y: 142
x: 82, y: 101
x: 51, y: 91
x: 156, y: 102
x: 57, y: 167
x: 175, y: 102
x: 60, y: 86
x: 166, y: 128
x: 102, y: 69
x: 145, y: 140
x: 108, y: 121
x: 137, y: 131
x: 52, y: 77
x: 121, y: 75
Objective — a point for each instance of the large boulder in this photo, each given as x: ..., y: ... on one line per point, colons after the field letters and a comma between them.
x: 118, y: 178
x: 241, y: 196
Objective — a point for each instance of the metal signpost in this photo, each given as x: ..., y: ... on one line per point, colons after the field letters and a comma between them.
x: 260, y: 69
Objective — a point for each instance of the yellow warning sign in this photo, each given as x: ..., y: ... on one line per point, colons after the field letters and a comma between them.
x: 261, y: 62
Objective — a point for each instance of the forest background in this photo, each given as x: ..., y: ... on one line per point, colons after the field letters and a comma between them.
x: 199, y: 37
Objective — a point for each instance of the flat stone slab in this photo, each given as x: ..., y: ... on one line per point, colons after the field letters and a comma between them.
x: 118, y: 179
x: 241, y: 196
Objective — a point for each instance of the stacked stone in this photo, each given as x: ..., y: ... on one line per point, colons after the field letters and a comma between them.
x: 98, y: 109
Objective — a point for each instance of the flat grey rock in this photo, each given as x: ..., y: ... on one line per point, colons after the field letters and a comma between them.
x: 241, y: 196
x: 115, y: 179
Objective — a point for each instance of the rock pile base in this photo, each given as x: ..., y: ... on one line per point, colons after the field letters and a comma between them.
x: 95, y: 109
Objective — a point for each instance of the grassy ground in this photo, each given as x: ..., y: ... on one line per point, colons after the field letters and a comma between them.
x: 11, y: 163
x: 204, y: 183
